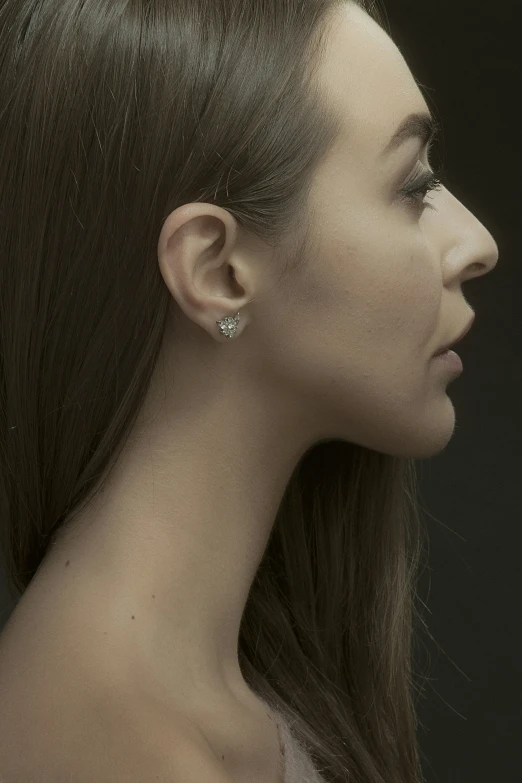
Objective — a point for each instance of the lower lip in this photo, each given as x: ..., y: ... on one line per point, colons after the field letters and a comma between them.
x: 451, y: 360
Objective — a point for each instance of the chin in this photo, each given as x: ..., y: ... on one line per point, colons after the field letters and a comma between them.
x: 430, y: 440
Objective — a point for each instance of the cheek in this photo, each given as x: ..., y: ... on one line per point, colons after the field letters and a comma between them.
x: 374, y: 303
x: 350, y: 345
x: 408, y: 305
x: 355, y: 336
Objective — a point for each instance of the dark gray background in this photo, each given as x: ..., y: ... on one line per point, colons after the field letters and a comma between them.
x: 466, y: 54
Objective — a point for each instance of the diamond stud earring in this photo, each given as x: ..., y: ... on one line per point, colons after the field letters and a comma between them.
x: 228, y: 326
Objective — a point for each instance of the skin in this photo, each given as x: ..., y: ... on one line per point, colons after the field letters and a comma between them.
x: 161, y: 565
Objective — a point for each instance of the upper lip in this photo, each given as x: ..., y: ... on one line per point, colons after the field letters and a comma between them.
x: 457, y: 339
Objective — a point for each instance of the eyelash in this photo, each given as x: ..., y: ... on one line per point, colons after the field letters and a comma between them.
x: 419, y: 190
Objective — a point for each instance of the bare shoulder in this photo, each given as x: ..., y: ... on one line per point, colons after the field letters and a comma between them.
x: 60, y: 723
x: 40, y: 756
x: 52, y: 732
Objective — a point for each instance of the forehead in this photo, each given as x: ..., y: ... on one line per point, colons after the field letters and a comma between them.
x: 368, y: 80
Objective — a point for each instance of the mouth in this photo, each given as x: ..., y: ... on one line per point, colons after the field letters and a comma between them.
x: 449, y: 346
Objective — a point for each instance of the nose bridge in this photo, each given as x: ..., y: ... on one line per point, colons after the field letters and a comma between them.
x: 473, y: 244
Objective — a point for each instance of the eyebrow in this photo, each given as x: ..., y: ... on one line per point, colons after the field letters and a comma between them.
x: 421, y: 125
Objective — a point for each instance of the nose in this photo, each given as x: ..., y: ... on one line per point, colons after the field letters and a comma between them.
x: 483, y: 253
x: 474, y: 248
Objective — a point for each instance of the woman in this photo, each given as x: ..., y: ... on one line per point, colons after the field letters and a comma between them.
x: 224, y: 280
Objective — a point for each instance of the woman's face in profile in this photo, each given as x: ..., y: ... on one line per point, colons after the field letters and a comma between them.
x: 365, y: 317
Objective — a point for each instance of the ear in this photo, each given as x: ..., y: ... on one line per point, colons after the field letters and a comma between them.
x: 209, y: 275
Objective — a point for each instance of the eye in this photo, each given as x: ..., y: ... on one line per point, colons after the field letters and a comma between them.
x: 417, y: 192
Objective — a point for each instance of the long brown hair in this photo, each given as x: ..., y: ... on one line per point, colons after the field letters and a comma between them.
x: 113, y: 113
